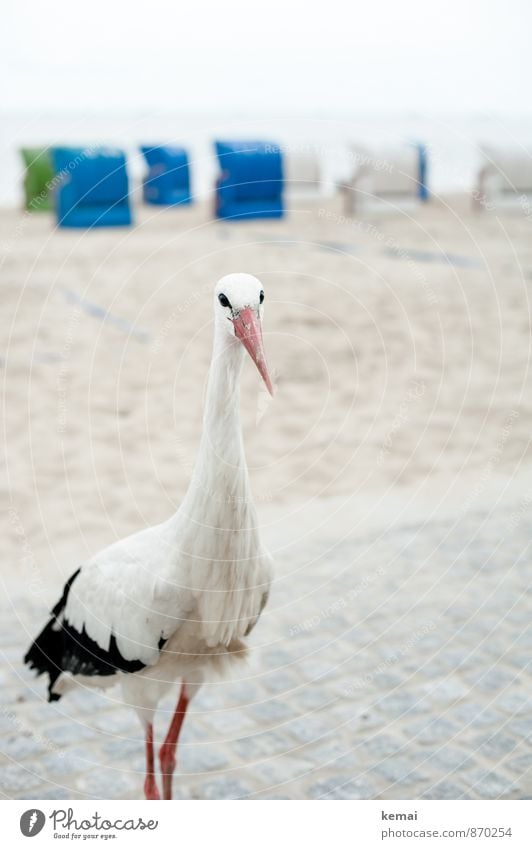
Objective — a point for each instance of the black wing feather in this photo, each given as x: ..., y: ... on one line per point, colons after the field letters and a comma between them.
x: 61, y: 648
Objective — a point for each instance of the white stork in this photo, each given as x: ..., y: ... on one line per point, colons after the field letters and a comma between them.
x: 173, y: 602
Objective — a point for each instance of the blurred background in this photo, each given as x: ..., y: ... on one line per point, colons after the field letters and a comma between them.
x: 452, y: 75
x: 373, y: 170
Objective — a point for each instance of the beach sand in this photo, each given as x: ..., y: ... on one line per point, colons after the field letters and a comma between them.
x: 399, y: 346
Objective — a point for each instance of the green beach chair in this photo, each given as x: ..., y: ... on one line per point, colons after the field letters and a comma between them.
x: 38, y: 179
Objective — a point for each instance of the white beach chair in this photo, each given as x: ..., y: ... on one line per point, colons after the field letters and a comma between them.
x: 386, y: 179
x: 302, y: 175
x: 504, y: 179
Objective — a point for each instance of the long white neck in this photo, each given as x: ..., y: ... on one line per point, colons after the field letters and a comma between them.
x: 219, y: 493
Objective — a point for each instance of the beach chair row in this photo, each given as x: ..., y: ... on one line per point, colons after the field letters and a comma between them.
x: 90, y: 187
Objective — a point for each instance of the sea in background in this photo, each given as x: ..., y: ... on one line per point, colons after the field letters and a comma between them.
x: 452, y: 140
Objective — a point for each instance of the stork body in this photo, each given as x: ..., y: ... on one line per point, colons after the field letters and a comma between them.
x: 174, y: 602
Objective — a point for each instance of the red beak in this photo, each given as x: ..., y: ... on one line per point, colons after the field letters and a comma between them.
x: 248, y: 329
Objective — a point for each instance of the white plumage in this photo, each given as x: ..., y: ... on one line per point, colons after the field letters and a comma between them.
x: 173, y: 602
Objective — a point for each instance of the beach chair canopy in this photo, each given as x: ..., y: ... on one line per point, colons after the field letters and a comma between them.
x: 38, y: 178
x: 93, y: 187
x: 251, y: 180
x: 168, y: 179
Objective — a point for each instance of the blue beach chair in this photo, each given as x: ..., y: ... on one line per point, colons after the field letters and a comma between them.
x: 168, y: 180
x: 251, y: 182
x: 93, y: 190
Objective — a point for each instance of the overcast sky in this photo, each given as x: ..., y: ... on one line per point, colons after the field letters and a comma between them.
x: 280, y: 56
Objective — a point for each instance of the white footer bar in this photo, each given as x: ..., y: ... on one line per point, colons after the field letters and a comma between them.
x: 269, y: 825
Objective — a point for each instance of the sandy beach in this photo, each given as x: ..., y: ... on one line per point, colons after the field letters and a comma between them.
x: 399, y: 345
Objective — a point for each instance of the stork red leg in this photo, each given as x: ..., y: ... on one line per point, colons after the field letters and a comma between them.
x: 167, y: 753
x: 150, y: 785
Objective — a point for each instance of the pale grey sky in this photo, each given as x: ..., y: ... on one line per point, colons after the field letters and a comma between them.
x: 281, y: 56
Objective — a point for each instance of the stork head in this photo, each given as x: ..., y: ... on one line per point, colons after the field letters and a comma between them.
x: 238, y: 310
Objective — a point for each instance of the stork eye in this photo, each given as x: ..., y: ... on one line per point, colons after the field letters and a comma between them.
x: 224, y: 300
x: 261, y: 296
